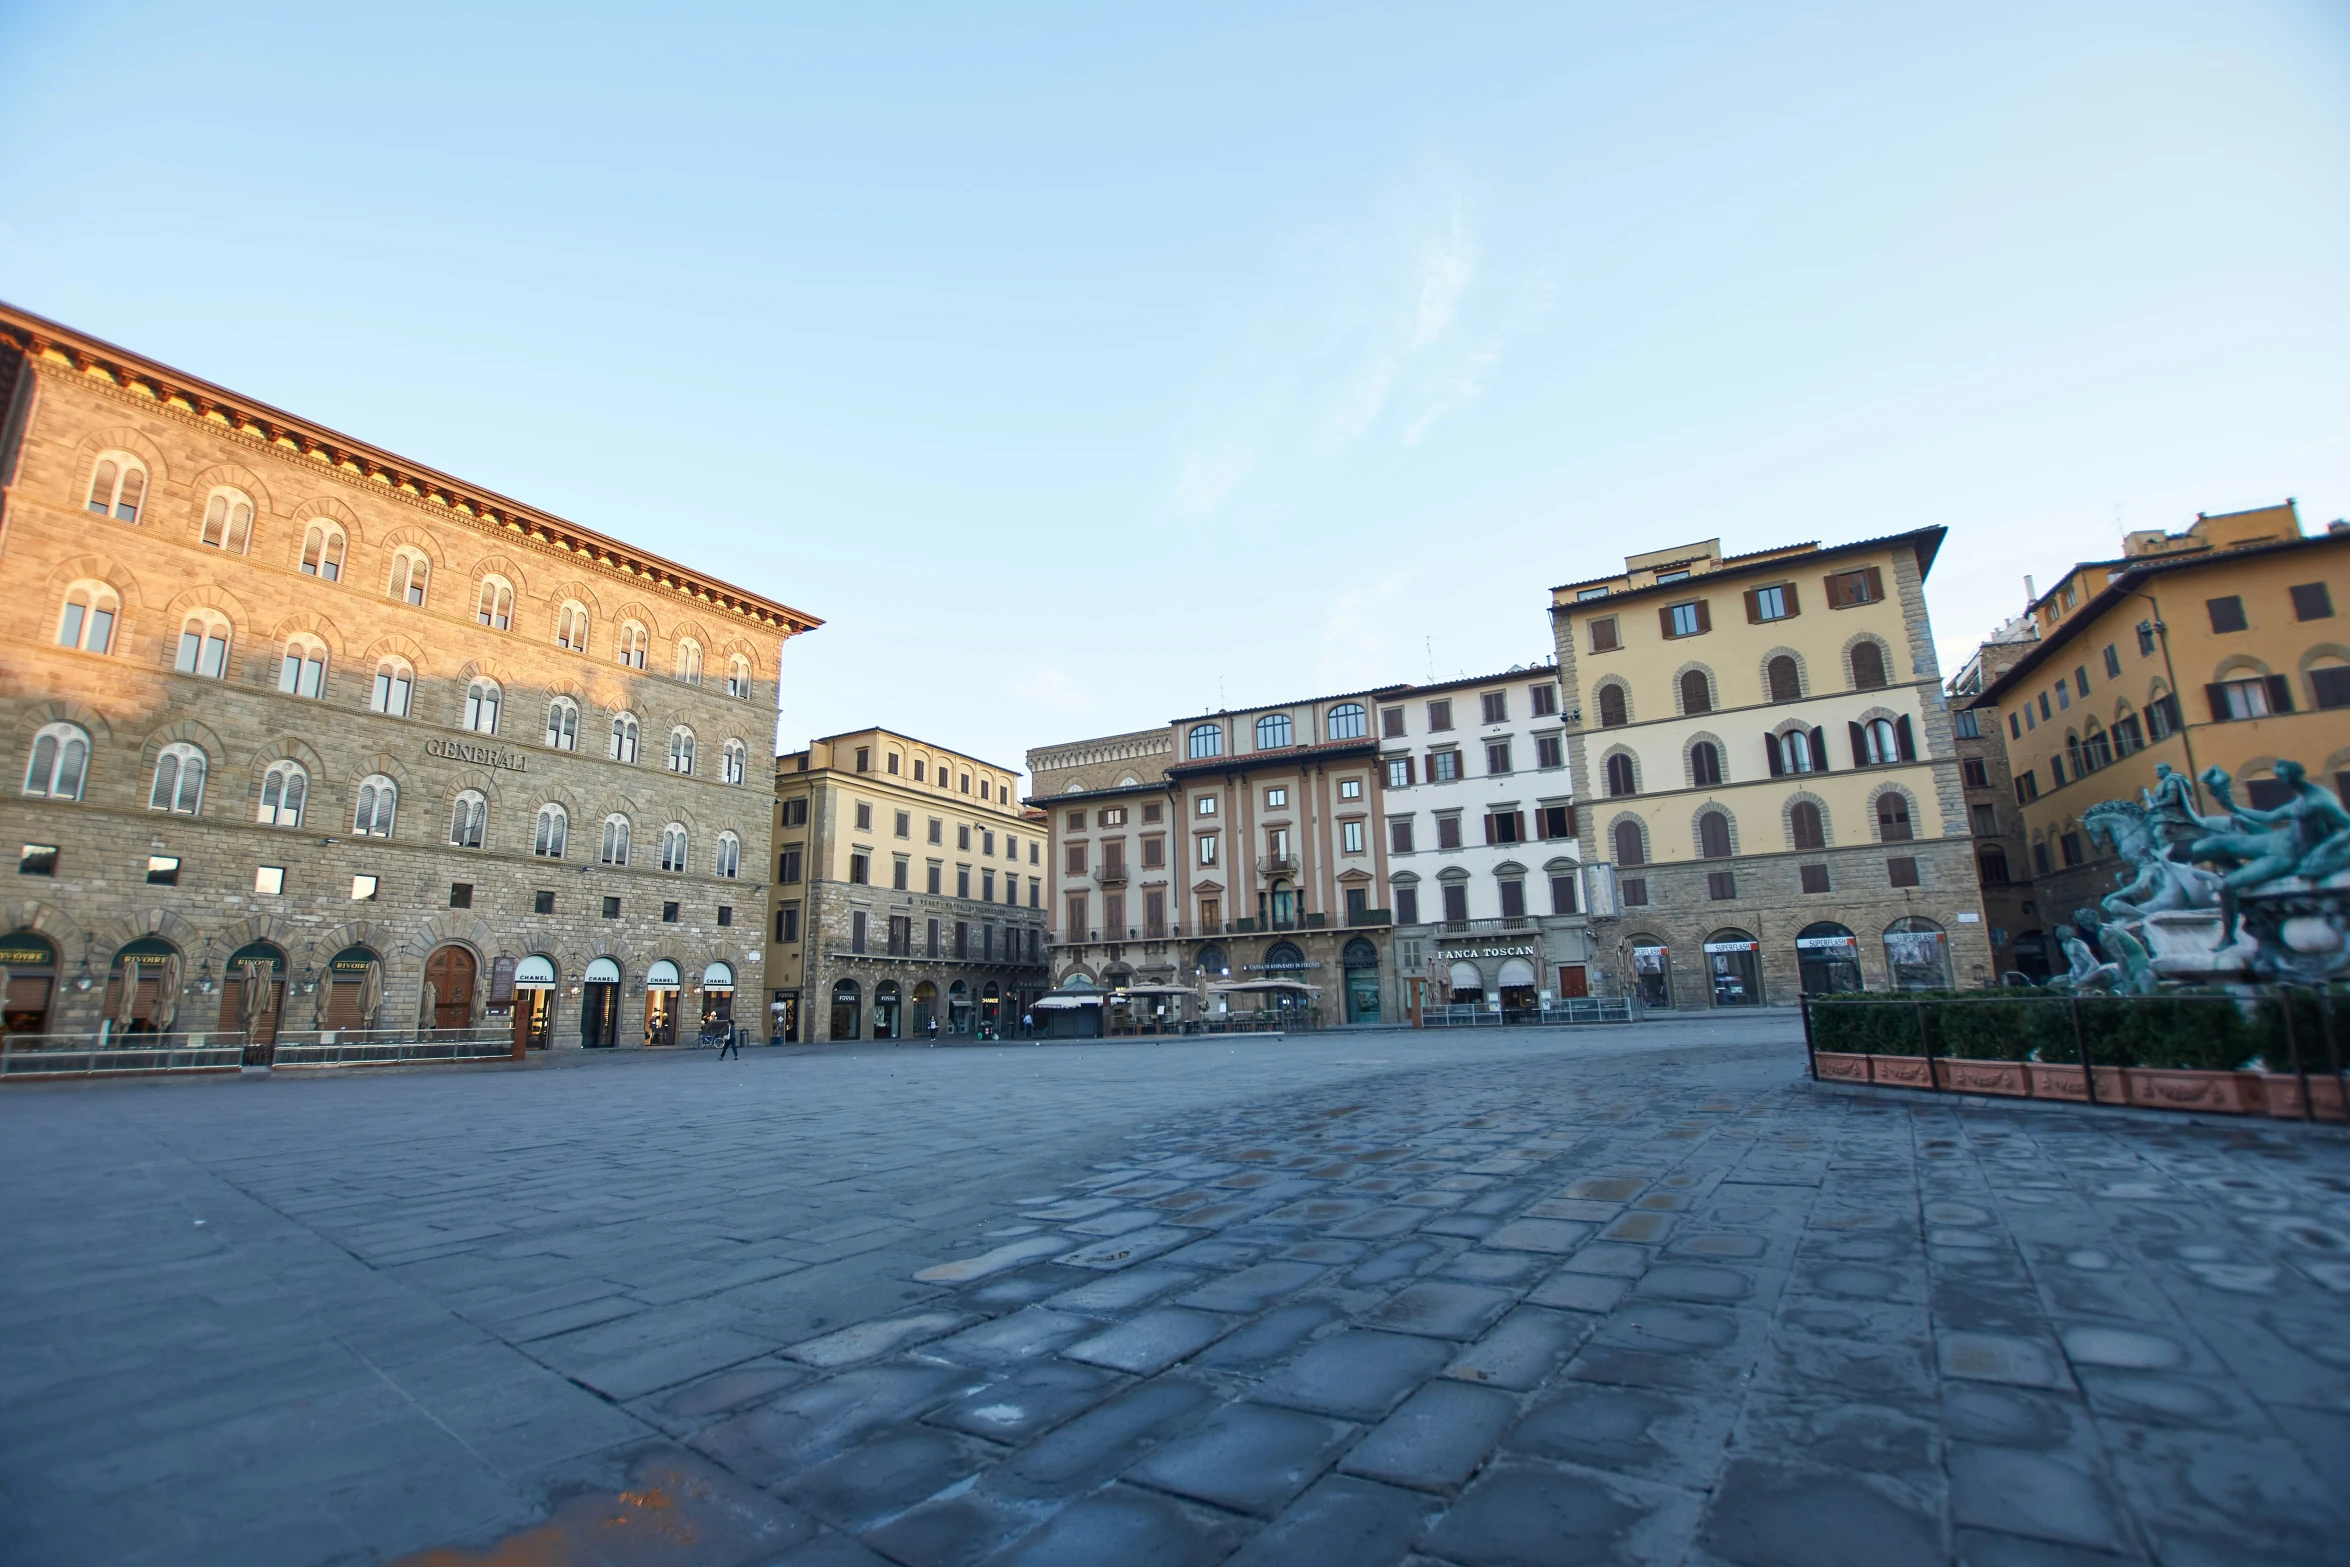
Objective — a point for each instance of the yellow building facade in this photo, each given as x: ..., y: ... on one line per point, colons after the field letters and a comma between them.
x: 2221, y: 646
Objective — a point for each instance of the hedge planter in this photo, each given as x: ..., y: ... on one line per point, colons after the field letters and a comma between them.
x: 1837, y: 1067
x: 2167, y: 1089
x: 2283, y: 1091
x: 2065, y: 1082
x: 1982, y: 1077
x: 1900, y: 1071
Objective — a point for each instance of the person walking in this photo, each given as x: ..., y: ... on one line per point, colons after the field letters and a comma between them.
x: 733, y: 1044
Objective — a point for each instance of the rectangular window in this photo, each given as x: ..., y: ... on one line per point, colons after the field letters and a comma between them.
x: 930, y: 878
x: 2162, y: 717
x: 860, y: 869
x: 611, y: 908
x: 1444, y: 766
x: 1456, y: 902
x: 1350, y: 837
x: 987, y: 886
x: 1505, y: 827
x: 1635, y: 892
x: 1073, y: 860
x: 901, y: 933
x: 1847, y: 588
x: 937, y: 831
x: 2040, y: 865
x: 2312, y: 601
x: 787, y: 922
x: 1154, y: 853
x: 1497, y: 757
x: 1773, y: 603
x: 2145, y: 638
x: 930, y: 939
x: 1562, y: 893
x: 1558, y: 821
x: 1976, y: 774
x: 1902, y: 871
x: 2330, y: 686
x: 1391, y: 723
x: 2235, y: 700
x: 1276, y: 799
x: 1815, y: 878
x: 1154, y: 913
x: 163, y: 870
x: 1966, y: 724
x: 963, y: 835
x: 2070, y: 844
x: 857, y: 930
x: 905, y: 824
x: 1205, y: 805
x: 1543, y: 700
x: 2081, y: 679
x: 1207, y: 848
x: 2045, y: 715
x: 1721, y: 886
x: 864, y: 817
x: 987, y: 842
x: 460, y: 892
x: 2064, y: 697
x: 1152, y: 813
x: 1686, y: 620
x: 1035, y: 893
x: 892, y: 759
x: 1114, y: 858
x: 899, y: 870
x: 1448, y: 832
x: 2027, y: 787
x: 1407, y: 905
x: 1399, y: 834
x: 1350, y: 788
x: 2113, y: 662
x: 1513, y: 900
x: 1399, y: 772
x: 864, y: 765
x: 1440, y: 714
x: 544, y: 903
x: 1077, y: 821
x: 1115, y: 816
x: 1603, y: 635
x: 1550, y: 752
x: 2056, y: 770
x: 1210, y: 916
x: 2227, y: 614
x: 795, y: 812
x: 1496, y: 705
x: 962, y: 881
x: 668, y: 913
x: 2015, y: 727
x: 1986, y: 821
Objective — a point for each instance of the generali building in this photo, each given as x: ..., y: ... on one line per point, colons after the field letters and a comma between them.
x: 305, y: 735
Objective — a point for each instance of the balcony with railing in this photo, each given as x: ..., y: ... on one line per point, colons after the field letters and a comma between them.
x: 1277, y: 865
x: 1111, y: 873
x: 1491, y: 927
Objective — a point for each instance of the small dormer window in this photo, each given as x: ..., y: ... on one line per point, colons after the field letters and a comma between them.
x: 1681, y: 575
x: 1584, y: 594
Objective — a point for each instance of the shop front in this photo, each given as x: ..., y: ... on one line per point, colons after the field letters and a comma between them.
x: 717, y: 997
x: 1827, y: 959
x: 1361, y: 963
x: 783, y: 1018
x: 29, y: 963
x: 599, y: 1006
x: 534, y: 1003
x: 252, y: 1000
x: 885, y: 1009
x: 354, y: 989
x: 1652, y: 971
x: 1734, y: 965
x: 662, y: 986
x: 142, y: 988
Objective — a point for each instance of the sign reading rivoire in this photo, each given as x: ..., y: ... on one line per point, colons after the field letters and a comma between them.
x: 478, y: 755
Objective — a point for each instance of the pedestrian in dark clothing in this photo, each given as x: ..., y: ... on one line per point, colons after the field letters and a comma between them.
x: 733, y: 1044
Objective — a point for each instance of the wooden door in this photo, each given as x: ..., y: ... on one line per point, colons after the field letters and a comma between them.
x: 1571, y: 981
x: 450, y: 973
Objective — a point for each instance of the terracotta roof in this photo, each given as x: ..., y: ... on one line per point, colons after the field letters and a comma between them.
x: 1928, y: 542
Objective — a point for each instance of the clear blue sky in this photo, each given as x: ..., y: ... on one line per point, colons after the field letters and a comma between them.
x: 1079, y: 362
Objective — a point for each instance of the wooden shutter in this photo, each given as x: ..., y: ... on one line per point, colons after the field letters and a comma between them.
x: 1835, y: 590
x: 1488, y: 826
x: 1771, y: 749
x: 1518, y: 820
x: 1787, y: 591
x: 1753, y: 607
x: 1570, y: 821
x: 1904, y: 739
x: 2280, y: 694
x: 2218, y: 695
x: 1819, y: 750
x: 1860, y: 746
x: 1705, y: 619
x: 1664, y: 620
x: 1876, y: 585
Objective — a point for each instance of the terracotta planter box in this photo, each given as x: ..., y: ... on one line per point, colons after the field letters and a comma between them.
x: 2283, y: 1093
x: 1836, y: 1067
x: 2058, y: 1081
x: 1900, y: 1071
x: 1982, y: 1077
x: 2217, y: 1093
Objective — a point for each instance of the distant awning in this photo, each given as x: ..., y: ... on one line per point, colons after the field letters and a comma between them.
x: 1050, y: 1000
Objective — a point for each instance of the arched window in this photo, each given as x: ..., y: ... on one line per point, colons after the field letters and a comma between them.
x: 1619, y: 775
x: 738, y: 676
x: 59, y: 764
x: 1893, y: 817
x: 1879, y: 741
x: 1803, y: 820
x: 117, y: 485
x: 1273, y: 731
x: 1868, y: 666
x: 1348, y: 722
x: 1705, y: 763
x: 689, y: 661
x: 733, y: 756
x: 409, y: 571
x: 87, y: 621
x: 629, y: 649
x: 624, y: 738
x: 1713, y: 836
x: 730, y: 855
x: 378, y: 803
x: 1796, y: 753
x: 681, y: 750
x: 284, y: 788
x: 322, y: 551
x: 481, y: 706
x: 1993, y: 863
x: 563, y: 724
x: 2097, y: 748
x: 179, y: 780
x: 467, y: 820
x: 673, y: 847
x: 1785, y: 681
x: 1611, y: 707
x: 554, y: 831
x: 302, y: 671
x: 1206, y: 740
x: 203, y: 645
x: 395, y: 682
x: 571, y: 626
x: 494, y: 607
x: 615, y: 840
x: 228, y: 521
x: 1697, y: 692
x: 1630, y: 850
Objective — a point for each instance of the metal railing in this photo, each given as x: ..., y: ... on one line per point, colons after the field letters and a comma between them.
x: 28, y: 1056
x: 1277, y: 864
x: 1486, y: 927
x: 2276, y: 1051
x: 1111, y: 875
x: 1571, y: 1009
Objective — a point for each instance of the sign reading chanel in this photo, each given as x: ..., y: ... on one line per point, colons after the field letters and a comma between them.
x: 478, y: 755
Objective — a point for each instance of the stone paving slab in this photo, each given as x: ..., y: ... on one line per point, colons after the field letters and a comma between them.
x: 1633, y: 1295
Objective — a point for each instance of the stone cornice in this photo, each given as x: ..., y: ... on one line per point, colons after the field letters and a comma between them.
x: 55, y: 349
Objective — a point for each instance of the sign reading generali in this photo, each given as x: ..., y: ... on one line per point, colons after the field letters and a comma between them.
x: 478, y: 755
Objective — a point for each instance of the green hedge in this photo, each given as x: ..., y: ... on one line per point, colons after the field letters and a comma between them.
x: 2208, y: 1031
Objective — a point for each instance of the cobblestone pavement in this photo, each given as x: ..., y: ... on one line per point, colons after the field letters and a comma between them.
x: 1511, y: 1298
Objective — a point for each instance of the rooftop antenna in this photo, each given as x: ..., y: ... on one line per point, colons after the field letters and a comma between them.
x: 1431, y: 646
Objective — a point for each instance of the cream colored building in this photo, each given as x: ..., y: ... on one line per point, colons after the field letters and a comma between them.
x: 1770, y: 789
x: 908, y: 890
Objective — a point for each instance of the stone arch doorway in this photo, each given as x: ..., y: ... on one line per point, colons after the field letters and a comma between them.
x: 354, y: 989
x: 661, y: 987
x: 534, y: 1003
x: 1828, y: 958
x: 252, y: 999
x: 846, y: 999
x: 142, y: 987
x: 991, y: 1008
x: 885, y: 1009
x: 1517, y: 985
x: 449, y: 978
x: 599, y: 1005
x: 925, y: 1006
x: 31, y: 962
x: 1733, y: 962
